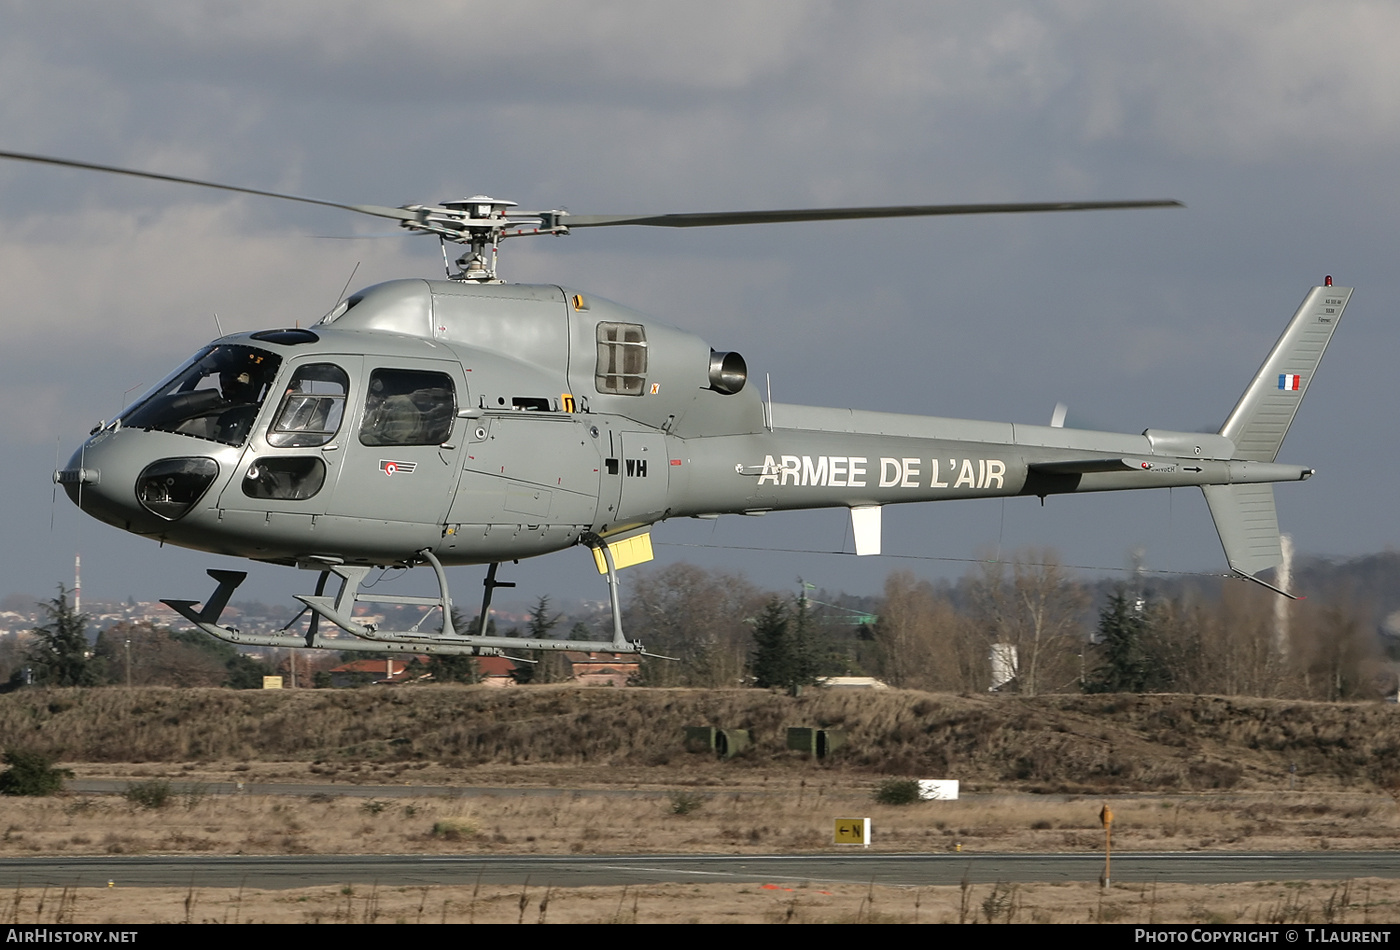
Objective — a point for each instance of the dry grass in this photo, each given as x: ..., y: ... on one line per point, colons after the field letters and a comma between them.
x: 1181, y: 773
x: 780, y: 818
x: 1086, y: 744
x: 1369, y: 901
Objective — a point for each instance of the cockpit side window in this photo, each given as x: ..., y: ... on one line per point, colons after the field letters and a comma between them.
x: 622, y: 359
x: 408, y: 407
x: 312, y: 407
x: 216, y: 396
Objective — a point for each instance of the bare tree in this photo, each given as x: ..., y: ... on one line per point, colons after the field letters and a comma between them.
x: 1238, y: 644
x: 1228, y: 646
x: 146, y: 655
x: 1039, y: 611
x: 1336, y: 655
x: 700, y: 617
x: 922, y: 643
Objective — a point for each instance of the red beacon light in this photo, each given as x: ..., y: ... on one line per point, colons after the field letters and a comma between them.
x: 1327, y: 281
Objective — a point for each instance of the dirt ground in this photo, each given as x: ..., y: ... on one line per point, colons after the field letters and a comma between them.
x: 663, y: 812
x: 581, y: 812
x: 581, y: 809
x: 1368, y: 901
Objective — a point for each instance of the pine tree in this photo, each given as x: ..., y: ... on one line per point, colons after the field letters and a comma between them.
x: 60, y: 654
x: 1124, y: 629
x: 550, y: 666
x: 540, y: 620
x: 771, y: 656
x: 806, y: 657
x: 783, y: 652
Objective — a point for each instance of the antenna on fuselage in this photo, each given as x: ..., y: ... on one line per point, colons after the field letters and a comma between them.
x: 354, y: 270
x: 768, y: 384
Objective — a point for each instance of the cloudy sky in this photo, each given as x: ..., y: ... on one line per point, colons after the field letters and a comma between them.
x: 1277, y: 123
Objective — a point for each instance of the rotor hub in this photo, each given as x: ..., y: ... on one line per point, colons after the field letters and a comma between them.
x: 480, y: 207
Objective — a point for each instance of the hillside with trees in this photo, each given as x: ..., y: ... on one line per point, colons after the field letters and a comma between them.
x: 1026, y: 625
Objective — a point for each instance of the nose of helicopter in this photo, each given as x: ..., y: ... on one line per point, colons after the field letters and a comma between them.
x: 117, y: 477
x: 96, y: 480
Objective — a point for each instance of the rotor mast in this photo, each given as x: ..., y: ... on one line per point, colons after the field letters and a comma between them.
x: 480, y: 222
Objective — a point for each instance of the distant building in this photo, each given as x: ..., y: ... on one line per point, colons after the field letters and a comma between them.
x: 1003, y: 661
x: 495, y: 670
x: 602, y: 669
x: 852, y: 682
x: 390, y: 670
x: 586, y: 669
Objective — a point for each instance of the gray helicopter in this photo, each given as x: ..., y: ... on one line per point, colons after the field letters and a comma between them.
x: 473, y: 421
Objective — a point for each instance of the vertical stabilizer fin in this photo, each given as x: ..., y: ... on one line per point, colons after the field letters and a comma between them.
x: 1261, y: 418
x: 1247, y: 524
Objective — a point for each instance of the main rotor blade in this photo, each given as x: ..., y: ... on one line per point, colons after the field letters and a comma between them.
x: 398, y: 214
x: 692, y: 220
x: 715, y: 218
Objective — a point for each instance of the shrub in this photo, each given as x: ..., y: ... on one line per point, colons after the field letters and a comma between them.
x: 683, y: 803
x: 153, y: 794
x: 452, y: 830
x: 195, y: 792
x: 31, y: 773
x: 897, y: 791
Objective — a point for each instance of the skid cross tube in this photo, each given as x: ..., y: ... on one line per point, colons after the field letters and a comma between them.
x: 206, y: 619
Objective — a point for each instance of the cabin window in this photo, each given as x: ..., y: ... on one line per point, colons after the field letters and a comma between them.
x: 622, y: 359
x: 312, y: 408
x: 215, y: 396
x: 288, y: 477
x: 408, y: 407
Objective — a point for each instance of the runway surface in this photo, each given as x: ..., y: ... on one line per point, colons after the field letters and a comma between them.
x: 286, y: 871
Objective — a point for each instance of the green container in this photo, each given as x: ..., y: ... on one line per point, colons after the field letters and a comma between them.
x: 700, y: 738
x: 730, y: 742
x: 815, y: 742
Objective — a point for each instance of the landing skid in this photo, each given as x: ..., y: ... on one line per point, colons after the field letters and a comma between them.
x: 367, y: 638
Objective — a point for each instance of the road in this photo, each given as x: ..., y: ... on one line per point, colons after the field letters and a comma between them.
x: 339, y: 790
x: 287, y: 871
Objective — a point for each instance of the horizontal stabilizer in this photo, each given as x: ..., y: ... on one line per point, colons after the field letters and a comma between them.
x: 1085, y: 466
x: 1247, y: 524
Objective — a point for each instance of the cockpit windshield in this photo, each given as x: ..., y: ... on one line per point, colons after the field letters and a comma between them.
x: 216, y: 396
